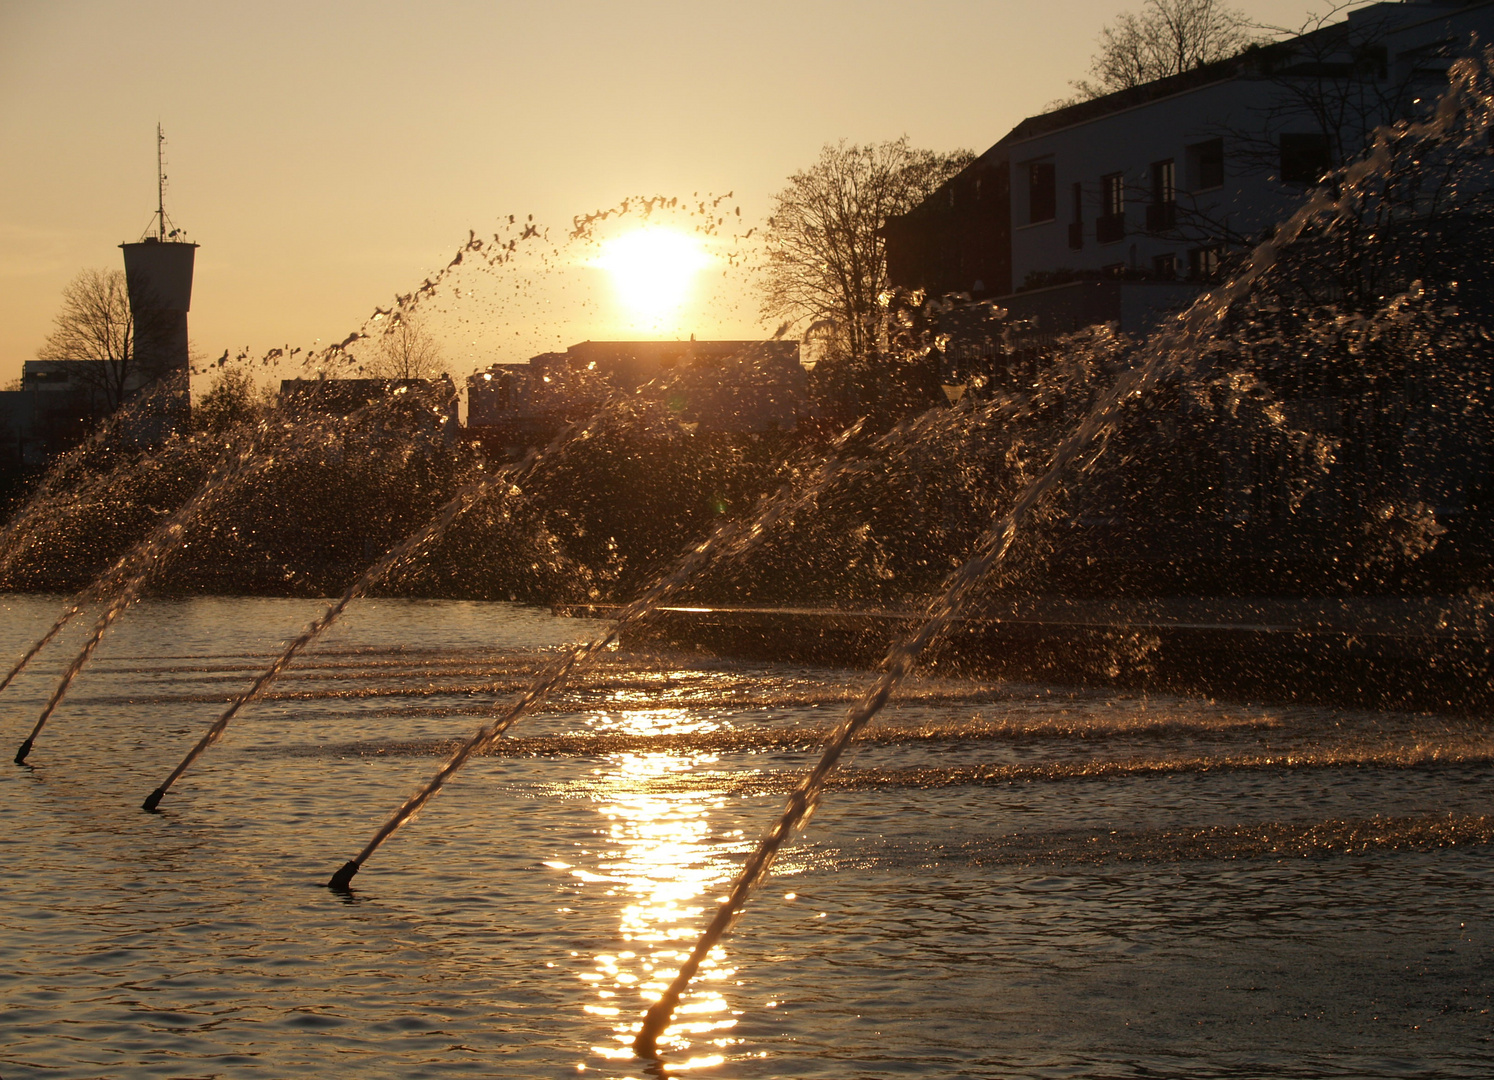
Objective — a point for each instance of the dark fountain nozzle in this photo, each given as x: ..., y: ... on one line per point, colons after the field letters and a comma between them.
x: 153, y: 800
x: 342, y: 880
x: 22, y: 752
x: 646, y: 1045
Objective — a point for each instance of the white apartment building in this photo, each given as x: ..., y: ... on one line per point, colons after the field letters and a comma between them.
x: 1162, y: 185
x: 1120, y: 208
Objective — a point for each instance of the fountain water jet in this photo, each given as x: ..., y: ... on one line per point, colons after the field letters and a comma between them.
x: 128, y: 576
x: 395, y: 556
x: 507, y: 479
x: 729, y: 540
x: 50, y: 493
x: 992, y: 552
x: 120, y: 585
x: 139, y: 561
x: 1171, y: 346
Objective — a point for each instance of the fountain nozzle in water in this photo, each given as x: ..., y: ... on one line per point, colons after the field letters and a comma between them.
x: 342, y: 881
x: 153, y: 800
x: 23, y: 751
x: 646, y: 1045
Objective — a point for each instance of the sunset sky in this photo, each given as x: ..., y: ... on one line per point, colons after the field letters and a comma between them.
x: 329, y: 156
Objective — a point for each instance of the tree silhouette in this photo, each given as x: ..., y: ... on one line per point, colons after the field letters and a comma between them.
x: 405, y: 350
x: 1167, y: 37
x: 827, y: 266
x: 97, y: 325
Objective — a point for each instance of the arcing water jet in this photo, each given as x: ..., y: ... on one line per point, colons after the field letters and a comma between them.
x: 729, y: 540
x: 433, y: 530
x: 128, y: 576
x: 121, y: 584
x: 1172, y: 346
x: 49, y: 491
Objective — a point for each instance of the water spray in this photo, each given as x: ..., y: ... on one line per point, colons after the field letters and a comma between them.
x: 731, y: 539
x: 122, y: 583
x: 420, y: 538
x: 42, y: 500
x: 898, y: 663
x: 430, y: 532
x: 75, y: 606
x: 1174, y: 342
x: 127, y: 577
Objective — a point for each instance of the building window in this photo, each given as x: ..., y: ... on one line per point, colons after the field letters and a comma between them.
x: 1111, y: 224
x: 1164, y: 182
x: 1165, y: 267
x: 1161, y: 212
x: 1304, y: 158
x: 1112, y: 194
x: 1204, y: 262
x: 1206, y: 165
x: 1076, y: 223
x: 1042, y: 192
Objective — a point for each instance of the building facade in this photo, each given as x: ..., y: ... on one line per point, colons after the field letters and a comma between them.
x: 1153, y: 187
x: 736, y: 387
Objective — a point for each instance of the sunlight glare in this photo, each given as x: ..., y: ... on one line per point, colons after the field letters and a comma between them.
x: 652, y: 270
x: 664, y: 859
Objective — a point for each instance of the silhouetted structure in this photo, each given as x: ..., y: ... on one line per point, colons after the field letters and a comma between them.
x: 723, y: 386
x: 1120, y: 209
x: 959, y: 240
x: 1125, y: 208
x: 55, y: 409
x: 61, y: 401
x: 159, y: 273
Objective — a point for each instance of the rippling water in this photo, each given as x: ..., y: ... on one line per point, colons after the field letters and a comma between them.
x: 1009, y: 880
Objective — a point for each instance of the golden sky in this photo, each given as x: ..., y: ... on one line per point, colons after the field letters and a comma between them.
x: 330, y: 156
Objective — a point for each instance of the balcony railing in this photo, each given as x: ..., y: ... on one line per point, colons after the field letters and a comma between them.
x: 1110, y: 227
x: 1161, y: 216
x: 1076, y: 235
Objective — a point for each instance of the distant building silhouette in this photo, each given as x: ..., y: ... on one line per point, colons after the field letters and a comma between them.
x: 726, y: 386
x: 54, y: 410
x: 159, y: 275
x: 1123, y: 209
x: 61, y: 401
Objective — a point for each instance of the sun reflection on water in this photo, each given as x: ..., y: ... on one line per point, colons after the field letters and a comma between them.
x: 668, y: 866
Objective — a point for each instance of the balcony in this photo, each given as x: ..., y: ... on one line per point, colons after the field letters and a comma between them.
x: 1161, y: 216
x: 1110, y: 227
x: 1076, y: 235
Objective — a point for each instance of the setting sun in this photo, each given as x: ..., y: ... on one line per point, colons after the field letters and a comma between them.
x: 652, y: 269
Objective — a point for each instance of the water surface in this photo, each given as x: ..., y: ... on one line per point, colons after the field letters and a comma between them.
x: 1008, y: 880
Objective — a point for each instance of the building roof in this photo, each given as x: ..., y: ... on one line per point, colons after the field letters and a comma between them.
x: 1272, y: 60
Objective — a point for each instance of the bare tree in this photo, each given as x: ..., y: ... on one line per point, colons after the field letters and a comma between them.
x: 405, y: 350
x: 96, y: 324
x: 1332, y: 86
x: 1336, y: 83
x: 1167, y: 37
x: 826, y: 261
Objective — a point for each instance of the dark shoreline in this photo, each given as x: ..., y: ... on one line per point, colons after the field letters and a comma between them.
x: 1428, y: 653
x: 1424, y: 653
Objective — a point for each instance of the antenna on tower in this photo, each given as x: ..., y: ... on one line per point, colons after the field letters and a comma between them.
x: 160, y: 224
x: 160, y: 182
